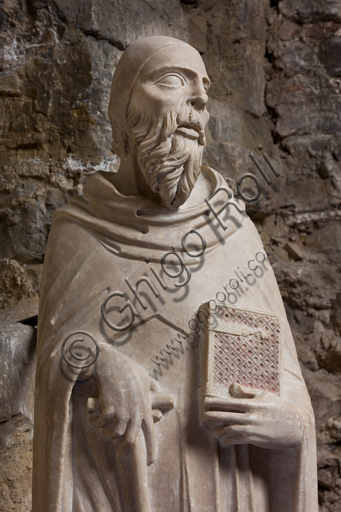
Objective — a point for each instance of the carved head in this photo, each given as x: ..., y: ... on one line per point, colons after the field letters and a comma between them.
x: 158, y: 113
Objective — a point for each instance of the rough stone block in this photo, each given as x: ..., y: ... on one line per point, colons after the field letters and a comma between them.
x: 17, y: 370
x: 308, y: 11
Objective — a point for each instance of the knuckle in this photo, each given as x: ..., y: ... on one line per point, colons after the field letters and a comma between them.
x: 121, y: 421
x: 130, y: 438
x: 107, y: 416
x: 108, y: 410
x: 128, y: 443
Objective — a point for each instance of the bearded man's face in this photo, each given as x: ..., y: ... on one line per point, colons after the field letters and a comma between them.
x: 165, y: 123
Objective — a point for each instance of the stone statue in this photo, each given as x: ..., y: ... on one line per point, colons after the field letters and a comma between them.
x: 193, y: 400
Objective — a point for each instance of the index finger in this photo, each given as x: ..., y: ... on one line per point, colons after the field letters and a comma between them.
x: 150, y: 438
x: 225, y: 418
x: 229, y: 404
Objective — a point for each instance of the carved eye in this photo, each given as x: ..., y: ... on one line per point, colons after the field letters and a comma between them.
x: 172, y: 81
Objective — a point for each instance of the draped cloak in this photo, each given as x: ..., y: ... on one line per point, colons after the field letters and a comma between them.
x: 98, y: 242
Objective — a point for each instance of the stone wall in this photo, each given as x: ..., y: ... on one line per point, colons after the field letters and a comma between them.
x: 276, y: 81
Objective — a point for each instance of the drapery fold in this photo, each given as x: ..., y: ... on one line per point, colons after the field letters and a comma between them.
x: 97, y: 243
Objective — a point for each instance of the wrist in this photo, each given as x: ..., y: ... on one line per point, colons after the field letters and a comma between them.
x: 105, y: 360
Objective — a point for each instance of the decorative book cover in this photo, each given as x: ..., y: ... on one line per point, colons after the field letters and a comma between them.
x: 243, y: 346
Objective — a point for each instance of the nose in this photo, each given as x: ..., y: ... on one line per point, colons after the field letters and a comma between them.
x: 199, y: 99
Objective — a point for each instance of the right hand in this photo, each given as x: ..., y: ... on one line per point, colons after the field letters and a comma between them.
x: 254, y: 416
x: 126, y: 394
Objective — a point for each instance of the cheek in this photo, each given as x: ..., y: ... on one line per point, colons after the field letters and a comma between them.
x: 159, y: 102
x: 205, y: 118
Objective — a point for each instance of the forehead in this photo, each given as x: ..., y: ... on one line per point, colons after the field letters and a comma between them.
x: 175, y: 56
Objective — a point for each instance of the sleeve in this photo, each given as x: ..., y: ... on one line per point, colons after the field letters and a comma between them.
x: 73, y: 288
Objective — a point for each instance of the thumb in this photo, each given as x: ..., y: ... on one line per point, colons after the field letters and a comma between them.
x: 154, y: 386
x: 239, y: 391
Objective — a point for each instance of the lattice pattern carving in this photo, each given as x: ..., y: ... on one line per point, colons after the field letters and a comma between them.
x: 246, y: 349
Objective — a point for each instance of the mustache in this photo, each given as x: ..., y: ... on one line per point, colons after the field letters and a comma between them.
x: 194, y: 122
x: 140, y: 124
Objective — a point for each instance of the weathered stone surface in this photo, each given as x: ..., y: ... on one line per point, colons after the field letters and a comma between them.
x: 302, y: 94
x: 22, y: 310
x: 330, y: 55
x: 308, y: 11
x: 56, y: 64
x: 16, y: 464
x: 17, y: 370
x: 294, y: 251
x: 120, y: 22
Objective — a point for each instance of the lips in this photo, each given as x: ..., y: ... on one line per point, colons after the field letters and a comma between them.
x: 187, y: 131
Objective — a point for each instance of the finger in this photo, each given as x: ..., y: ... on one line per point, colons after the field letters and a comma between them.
x: 108, y: 416
x: 150, y: 437
x: 225, y: 418
x: 232, y: 418
x: 93, y: 405
x: 121, y: 426
x: 239, y: 391
x: 227, y: 404
x: 157, y: 415
x: 238, y: 434
x: 117, y: 430
x: 108, y: 431
x: 154, y: 386
x: 130, y: 436
x: 93, y: 419
x: 162, y: 400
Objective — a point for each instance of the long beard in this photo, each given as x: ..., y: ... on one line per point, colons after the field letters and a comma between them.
x: 170, y: 162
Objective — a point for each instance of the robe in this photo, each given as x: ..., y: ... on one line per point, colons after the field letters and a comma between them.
x: 104, y: 242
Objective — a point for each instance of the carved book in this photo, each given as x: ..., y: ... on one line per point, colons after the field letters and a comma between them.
x: 243, y: 346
